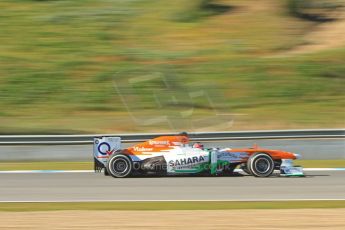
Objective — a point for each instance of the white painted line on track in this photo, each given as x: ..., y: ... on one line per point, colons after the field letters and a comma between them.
x: 324, y: 169
x: 90, y: 171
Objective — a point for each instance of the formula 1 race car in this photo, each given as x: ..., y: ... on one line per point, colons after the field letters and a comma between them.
x: 172, y: 155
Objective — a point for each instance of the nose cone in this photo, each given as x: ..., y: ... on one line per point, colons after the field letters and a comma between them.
x: 288, y: 155
x: 297, y: 156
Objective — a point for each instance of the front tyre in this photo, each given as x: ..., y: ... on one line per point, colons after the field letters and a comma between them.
x: 119, y: 165
x: 260, y: 165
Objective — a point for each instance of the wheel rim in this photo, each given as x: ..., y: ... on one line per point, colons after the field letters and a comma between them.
x: 120, y: 166
x: 262, y: 165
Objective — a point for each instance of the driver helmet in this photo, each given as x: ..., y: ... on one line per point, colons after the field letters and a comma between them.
x: 198, y: 145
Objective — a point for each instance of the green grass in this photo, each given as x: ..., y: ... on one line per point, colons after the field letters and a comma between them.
x: 4, y: 166
x: 46, y: 166
x: 183, y: 205
x: 321, y: 163
x: 59, y: 61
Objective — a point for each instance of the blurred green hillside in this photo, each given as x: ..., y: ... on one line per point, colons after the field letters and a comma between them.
x: 87, y: 66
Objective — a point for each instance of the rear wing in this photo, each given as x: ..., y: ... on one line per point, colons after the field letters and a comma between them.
x: 103, y: 147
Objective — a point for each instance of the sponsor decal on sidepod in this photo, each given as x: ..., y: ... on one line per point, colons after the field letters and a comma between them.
x: 186, y: 161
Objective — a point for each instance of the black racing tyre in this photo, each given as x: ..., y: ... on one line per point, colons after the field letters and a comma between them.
x: 260, y: 165
x: 119, y: 165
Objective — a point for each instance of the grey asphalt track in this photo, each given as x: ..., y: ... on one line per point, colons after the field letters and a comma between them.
x: 308, y: 148
x: 97, y: 187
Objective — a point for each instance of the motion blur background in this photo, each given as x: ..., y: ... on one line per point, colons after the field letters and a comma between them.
x: 106, y: 66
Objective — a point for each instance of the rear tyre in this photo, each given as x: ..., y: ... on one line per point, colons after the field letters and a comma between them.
x: 119, y: 165
x: 260, y: 165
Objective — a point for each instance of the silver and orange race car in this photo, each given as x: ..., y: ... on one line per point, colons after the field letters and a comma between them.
x: 173, y: 155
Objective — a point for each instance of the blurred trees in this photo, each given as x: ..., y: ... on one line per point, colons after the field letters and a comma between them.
x: 315, y: 10
x: 198, y: 9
